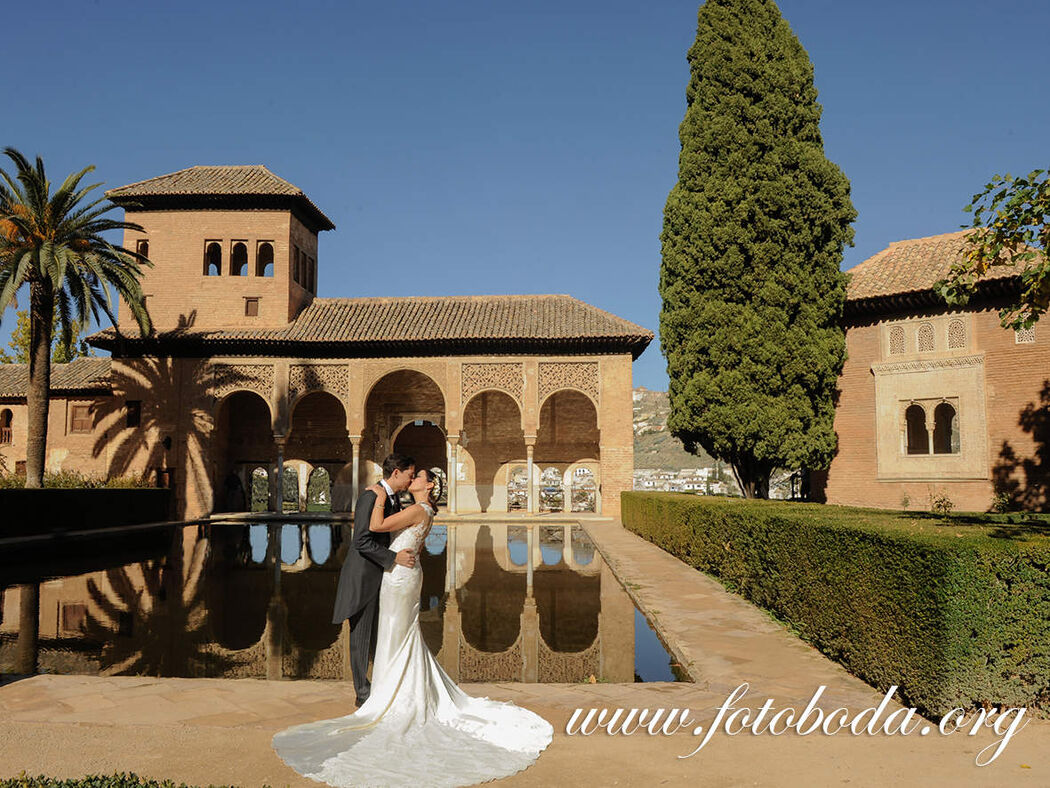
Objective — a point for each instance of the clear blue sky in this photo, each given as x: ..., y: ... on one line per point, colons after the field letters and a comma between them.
x: 514, y: 147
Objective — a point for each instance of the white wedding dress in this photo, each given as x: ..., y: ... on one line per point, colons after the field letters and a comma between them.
x: 417, y: 727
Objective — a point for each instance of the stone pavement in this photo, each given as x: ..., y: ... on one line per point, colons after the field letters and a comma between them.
x: 205, y: 731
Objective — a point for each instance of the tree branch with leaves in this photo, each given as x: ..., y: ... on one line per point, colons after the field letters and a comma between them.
x: 1010, y: 230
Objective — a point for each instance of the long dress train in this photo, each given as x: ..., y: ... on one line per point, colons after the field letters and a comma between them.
x: 417, y: 727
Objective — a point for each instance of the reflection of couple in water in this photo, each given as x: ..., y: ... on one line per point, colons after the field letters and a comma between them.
x: 413, y: 725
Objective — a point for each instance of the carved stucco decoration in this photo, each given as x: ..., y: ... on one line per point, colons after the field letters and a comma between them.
x: 303, y: 378
x: 477, y: 665
x: 926, y: 364
x: 508, y: 377
x: 227, y: 378
x: 568, y: 667
x: 579, y: 375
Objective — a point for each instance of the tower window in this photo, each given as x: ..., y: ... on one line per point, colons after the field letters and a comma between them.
x: 945, y: 430
x: 924, y: 337
x: 132, y: 413
x: 212, y: 258
x: 251, y: 307
x: 264, y: 259
x: 6, y: 417
x: 142, y: 247
x: 239, y: 259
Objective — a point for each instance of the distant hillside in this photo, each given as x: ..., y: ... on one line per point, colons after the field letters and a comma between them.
x: 654, y: 446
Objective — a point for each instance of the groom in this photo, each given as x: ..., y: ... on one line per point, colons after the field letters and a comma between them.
x: 357, y: 596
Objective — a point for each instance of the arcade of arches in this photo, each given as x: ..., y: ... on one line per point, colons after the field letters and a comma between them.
x: 501, y: 442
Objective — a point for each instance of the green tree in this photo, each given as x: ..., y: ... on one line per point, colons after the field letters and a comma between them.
x: 55, y: 244
x: 60, y: 353
x: 1010, y: 229
x: 752, y: 243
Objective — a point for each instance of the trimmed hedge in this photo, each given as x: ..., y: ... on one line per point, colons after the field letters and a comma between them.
x: 955, y: 611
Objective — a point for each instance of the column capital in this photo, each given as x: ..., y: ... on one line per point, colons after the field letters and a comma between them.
x: 530, y: 441
x: 355, y: 440
x: 453, y: 438
x: 280, y: 440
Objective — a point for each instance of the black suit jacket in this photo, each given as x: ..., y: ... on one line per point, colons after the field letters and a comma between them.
x: 366, y: 560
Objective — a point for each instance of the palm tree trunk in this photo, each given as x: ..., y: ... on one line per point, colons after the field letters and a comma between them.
x: 41, y: 314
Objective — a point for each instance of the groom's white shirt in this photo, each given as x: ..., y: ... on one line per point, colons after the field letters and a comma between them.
x: 389, y: 491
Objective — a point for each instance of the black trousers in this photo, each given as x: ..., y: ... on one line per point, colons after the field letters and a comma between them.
x: 364, y: 624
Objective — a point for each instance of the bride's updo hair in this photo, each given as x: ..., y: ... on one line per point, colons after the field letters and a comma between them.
x: 435, y: 491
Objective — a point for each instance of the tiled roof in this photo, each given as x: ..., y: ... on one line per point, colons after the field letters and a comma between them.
x: 437, y: 322
x: 82, y: 374
x: 912, y: 266
x: 245, y: 181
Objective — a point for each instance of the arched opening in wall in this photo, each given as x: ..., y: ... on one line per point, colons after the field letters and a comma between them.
x: 239, y: 260
x: 568, y: 433
x: 945, y: 430
x: 584, y: 489
x: 260, y: 490
x: 491, y: 600
x: 319, y: 491
x: 242, y: 441
x: 918, y: 437
x: 290, y: 489
x: 552, y: 495
x: 6, y: 423
x: 424, y: 442
x: 318, y: 436
x: 398, y: 399
x: 568, y: 604
x: 517, y: 488
x: 235, y: 594
x: 264, y: 259
x: 212, y: 258
x: 493, y: 436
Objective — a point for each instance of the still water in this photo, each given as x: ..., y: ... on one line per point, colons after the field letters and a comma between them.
x: 500, y: 602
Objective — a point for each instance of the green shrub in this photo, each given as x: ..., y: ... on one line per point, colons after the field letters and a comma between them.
x: 121, y: 780
x: 955, y: 611
x: 75, y: 480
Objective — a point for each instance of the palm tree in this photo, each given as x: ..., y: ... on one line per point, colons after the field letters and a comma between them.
x: 55, y: 244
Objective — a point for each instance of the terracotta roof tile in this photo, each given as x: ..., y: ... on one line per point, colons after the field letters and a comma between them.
x: 912, y: 266
x: 82, y: 374
x: 247, y: 180
x: 422, y: 320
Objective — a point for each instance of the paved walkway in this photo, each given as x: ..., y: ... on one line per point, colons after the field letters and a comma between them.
x: 205, y: 731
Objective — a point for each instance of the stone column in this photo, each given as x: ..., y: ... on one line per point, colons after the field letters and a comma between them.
x: 530, y: 445
x: 280, y: 440
x: 453, y: 473
x: 355, y: 471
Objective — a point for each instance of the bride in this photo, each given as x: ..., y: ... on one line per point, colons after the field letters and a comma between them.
x: 416, y: 727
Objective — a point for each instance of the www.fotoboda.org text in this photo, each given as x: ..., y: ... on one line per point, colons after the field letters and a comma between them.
x: 733, y: 720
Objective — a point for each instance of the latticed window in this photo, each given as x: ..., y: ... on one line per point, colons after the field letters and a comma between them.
x: 897, y: 340
x: 80, y: 418
x: 1024, y: 336
x: 925, y: 337
x: 956, y: 334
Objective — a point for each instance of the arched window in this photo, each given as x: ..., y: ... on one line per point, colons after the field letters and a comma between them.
x: 260, y: 490
x: 264, y: 259
x: 213, y: 258
x: 945, y: 430
x: 6, y: 417
x: 319, y: 491
x: 918, y: 437
x: 239, y: 260
x: 290, y: 489
x: 897, y: 340
x: 956, y: 334
x: 517, y: 488
x: 583, y: 490
x: 142, y: 247
x: 924, y: 337
x: 552, y: 496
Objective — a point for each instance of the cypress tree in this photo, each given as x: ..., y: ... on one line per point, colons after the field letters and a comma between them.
x: 752, y: 242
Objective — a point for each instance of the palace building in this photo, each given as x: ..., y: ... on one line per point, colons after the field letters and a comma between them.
x: 251, y: 379
x: 938, y: 402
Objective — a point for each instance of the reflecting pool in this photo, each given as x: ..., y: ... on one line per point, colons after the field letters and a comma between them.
x: 500, y: 602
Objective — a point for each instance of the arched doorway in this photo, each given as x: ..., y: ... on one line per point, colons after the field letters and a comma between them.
x: 404, y: 412
x: 568, y: 434
x: 492, y: 435
x: 243, y: 441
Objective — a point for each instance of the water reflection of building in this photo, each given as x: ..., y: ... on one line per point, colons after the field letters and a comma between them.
x: 506, y: 602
